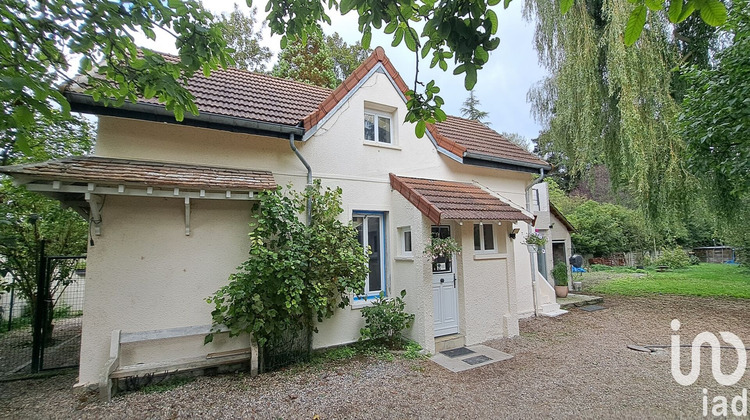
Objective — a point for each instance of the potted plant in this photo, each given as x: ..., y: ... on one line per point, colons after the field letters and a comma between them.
x: 440, y: 250
x: 560, y: 275
x: 535, y: 241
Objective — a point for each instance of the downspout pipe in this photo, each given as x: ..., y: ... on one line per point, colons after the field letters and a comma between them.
x: 532, y: 260
x: 308, y: 216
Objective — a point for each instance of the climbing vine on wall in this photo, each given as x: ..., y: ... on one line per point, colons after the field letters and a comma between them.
x: 295, y: 274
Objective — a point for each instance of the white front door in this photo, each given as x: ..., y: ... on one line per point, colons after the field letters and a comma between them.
x: 444, y: 290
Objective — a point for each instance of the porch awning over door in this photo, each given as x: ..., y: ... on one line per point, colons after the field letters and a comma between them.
x: 449, y: 200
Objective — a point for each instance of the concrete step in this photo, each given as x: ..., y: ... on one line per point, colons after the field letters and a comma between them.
x: 555, y: 313
x: 449, y: 342
x: 550, y: 307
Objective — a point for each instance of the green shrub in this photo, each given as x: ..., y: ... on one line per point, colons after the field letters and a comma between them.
x: 694, y: 260
x: 673, y: 258
x: 560, y: 274
x: 599, y: 267
x: 385, y: 320
x: 413, y: 351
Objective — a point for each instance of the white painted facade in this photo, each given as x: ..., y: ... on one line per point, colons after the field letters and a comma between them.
x: 144, y: 273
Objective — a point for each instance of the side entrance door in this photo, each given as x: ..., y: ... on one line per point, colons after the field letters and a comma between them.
x: 444, y: 289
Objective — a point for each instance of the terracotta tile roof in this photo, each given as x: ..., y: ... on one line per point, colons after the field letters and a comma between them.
x: 252, y: 96
x: 447, y: 200
x: 474, y: 137
x: 131, y: 172
x: 377, y: 56
x: 256, y: 97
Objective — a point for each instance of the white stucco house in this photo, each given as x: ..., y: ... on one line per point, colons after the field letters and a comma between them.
x: 554, y: 226
x: 170, y: 203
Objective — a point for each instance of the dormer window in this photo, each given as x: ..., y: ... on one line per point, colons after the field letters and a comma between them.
x: 378, y: 127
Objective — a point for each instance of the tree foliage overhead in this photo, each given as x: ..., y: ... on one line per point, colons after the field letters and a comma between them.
x: 461, y: 30
x: 470, y: 109
x: 294, y: 274
x: 346, y: 58
x: 40, y: 40
x: 608, y: 103
x: 307, y: 60
x: 242, y: 34
x: 715, y: 121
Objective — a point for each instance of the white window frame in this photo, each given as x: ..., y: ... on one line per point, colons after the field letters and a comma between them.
x: 402, y: 234
x: 369, y: 295
x: 376, y: 131
x: 482, y: 249
x: 536, y: 203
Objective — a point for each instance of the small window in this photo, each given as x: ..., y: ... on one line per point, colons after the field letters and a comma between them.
x: 405, y: 235
x: 378, y: 127
x: 484, y: 237
x: 536, y: 204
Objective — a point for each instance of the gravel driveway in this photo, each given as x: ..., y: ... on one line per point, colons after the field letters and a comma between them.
x: 575, y: 366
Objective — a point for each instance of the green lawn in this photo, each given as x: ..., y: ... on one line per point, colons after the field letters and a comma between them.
x: 721, y: 280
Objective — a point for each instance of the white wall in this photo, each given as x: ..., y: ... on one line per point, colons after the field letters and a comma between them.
x: 145, y: 274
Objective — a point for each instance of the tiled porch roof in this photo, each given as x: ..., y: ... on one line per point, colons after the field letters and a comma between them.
x: 143, y: 173
x: 448, y: 200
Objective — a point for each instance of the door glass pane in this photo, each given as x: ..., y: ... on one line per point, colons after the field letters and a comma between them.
x: 369, y: 127
x: 442, y: 264
x: 373, y: 239
x: 489, y: 240
x: 384, y: 130
x: 477, y: 239
x: 357, y: 222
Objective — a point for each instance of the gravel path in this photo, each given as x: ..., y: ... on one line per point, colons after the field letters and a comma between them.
x: 575, y: 366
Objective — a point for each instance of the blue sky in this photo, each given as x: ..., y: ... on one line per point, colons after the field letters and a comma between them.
x: 502, y: 85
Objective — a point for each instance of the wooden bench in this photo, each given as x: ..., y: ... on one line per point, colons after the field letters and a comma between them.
x: 113, y: 370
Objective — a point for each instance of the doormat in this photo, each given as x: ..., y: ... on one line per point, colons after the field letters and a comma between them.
x: 479, y: 356
x: 592, y: 308
x: 461, y: 351
x: 477, y: 359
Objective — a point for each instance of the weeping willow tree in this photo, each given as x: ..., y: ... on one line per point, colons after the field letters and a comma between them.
x: 605, y: 102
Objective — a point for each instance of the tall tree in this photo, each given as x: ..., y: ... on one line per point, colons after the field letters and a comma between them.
x: 715, y: 120
x: 470, y: 109
x: 241, y: 34
x: 608, y: 103
x: 40, y: 37
x: 453, y: 29
x: 346, y: 58
x: 27, y: 218
x: 518, y: 139
x: 308, y: 61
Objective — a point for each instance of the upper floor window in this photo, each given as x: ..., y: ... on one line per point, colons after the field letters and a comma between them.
x: 378, y: 127
x: 535, y: 202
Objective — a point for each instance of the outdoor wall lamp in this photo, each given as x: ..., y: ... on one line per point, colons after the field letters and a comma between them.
x: 514, y: 232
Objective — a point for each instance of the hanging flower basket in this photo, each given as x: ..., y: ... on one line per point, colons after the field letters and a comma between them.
x: 535, y: 241
x: 442, y: 247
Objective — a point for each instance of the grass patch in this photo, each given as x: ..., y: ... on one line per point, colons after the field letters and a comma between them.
x: 715, y: 280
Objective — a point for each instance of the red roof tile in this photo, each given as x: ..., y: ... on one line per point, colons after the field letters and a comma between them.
x: 474, y: 137
x: 252, y: 96
x: 378, y: 56
x: 143, y: 173
x: 447, y: 200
